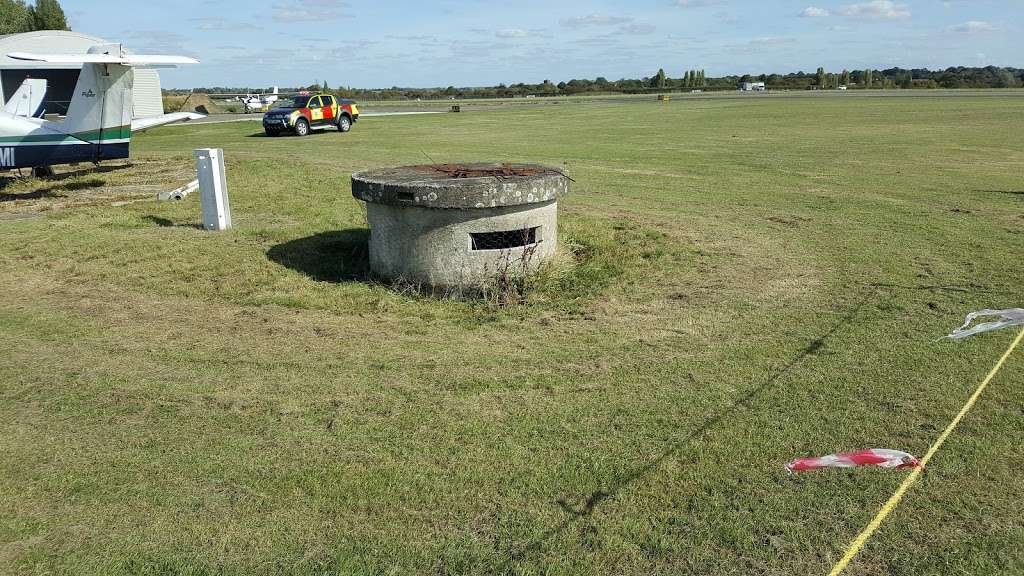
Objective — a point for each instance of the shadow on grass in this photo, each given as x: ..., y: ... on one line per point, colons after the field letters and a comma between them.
x: 1010, y: 192
x: 34, y: 195
x: 101, y: 169
x: 159, y: 221
x: 337, y: 256
x: 288, y: 134
x: 53, y: 191
x: 168, y: 223
x: 616, y: 485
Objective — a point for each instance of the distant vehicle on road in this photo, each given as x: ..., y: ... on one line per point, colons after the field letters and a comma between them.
x: 304, y: 112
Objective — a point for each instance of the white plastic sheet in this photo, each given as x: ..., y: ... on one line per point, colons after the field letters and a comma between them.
x: 1008, y: 317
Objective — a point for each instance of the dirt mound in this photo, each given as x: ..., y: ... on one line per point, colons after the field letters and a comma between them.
x: 201, y: 103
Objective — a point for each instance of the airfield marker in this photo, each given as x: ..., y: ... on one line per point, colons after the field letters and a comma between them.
x: 213, y: 188
x: 894, y: 500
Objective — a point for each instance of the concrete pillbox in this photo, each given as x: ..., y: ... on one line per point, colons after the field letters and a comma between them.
x: 458, y: 225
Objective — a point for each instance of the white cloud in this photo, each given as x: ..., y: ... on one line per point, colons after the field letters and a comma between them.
x: 973, y: 27
x: 309, y: 10
x: 75, y: 17
x: 771, y: 40
x: 222, y: 24
x: 876, y: 10
x: 595, y: 20
x: 637, y: 29
x: 814, y: 12
x: 160, y: 42
x: 512, y: 33
x: 696, y: 3
x: 412, y: 37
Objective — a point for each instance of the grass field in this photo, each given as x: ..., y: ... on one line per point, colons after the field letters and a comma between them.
x: 744, y: 282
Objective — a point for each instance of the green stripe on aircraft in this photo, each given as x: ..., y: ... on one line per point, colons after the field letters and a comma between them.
x: 117, y: 133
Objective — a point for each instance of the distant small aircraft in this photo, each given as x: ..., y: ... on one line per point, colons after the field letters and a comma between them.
x: 98, y: 125
x: 253, y: 101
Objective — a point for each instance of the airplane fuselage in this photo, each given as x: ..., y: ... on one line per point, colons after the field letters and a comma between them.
x: 30, y: 142
x: 256, y: 102
x: 98, y: 124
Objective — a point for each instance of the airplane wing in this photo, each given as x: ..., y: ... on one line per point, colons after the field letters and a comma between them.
x: 122, y: 59
x: 140, y: 124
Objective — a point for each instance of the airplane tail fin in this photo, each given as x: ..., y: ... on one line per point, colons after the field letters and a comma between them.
x: 101, y: 107
x: 275, y: 90
x: 27, y: 101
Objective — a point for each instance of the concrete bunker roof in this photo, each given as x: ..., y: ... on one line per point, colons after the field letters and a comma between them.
x: 461, y: 186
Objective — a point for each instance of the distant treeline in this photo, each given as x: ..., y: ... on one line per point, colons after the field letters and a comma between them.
x: 892, y: 78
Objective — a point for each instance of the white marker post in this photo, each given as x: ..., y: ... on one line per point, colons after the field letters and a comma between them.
x: 213, y: 188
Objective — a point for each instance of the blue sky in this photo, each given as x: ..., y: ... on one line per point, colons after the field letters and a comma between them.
x: 471, y: 42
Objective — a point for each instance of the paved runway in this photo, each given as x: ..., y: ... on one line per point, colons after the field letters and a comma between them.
x: 222, y: 118
x: 379, y: 109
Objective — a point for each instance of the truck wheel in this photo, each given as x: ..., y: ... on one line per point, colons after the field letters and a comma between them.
x: 344, y: 123
x: 301, y: 127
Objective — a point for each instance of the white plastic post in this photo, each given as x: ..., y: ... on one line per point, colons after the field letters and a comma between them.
x: 213, y: 188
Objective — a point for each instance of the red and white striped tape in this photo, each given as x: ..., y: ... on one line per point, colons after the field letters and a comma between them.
x: 882, y: 457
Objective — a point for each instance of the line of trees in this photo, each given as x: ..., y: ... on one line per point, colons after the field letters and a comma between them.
x: 694, y: 79
x: 891, y: 78
x: 690, y: 79
x: 17, y: 17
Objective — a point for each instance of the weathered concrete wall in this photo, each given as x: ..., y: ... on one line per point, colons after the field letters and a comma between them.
x: 433, y: 246
x: 424, y: 219
x: 412, y: 185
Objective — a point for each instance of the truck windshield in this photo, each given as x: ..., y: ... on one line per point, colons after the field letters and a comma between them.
x: 299, y: 101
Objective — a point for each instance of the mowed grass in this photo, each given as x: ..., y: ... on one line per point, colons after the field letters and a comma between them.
x: 742, y: 283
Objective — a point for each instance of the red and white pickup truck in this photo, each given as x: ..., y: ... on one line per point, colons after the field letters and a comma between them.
x: 304, y: 112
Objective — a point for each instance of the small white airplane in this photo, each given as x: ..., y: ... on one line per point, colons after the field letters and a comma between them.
x: 253, y: 102
x: 98, y: 125
x: 27, y: 101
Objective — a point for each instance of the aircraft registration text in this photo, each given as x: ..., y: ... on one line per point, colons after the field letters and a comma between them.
x: 7, y: 157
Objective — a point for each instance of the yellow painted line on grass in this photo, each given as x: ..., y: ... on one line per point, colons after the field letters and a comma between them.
x: 894, y: 500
